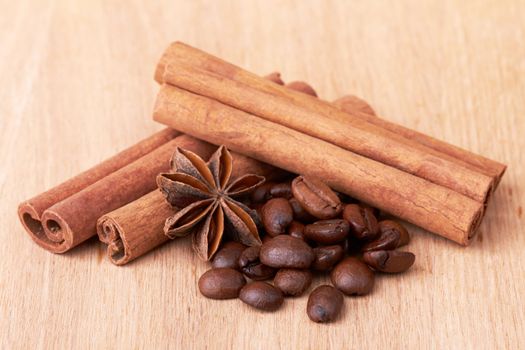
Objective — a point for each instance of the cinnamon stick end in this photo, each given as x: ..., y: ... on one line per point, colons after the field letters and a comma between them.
x: 32, y: 223
x: 109, y: 232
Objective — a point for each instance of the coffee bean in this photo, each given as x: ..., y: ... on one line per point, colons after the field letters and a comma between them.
x: 252, y: 267
x: 262, y: 193
x: 352, y: 277
x: 276, y: 216
x: 286, y: 252
x: 326, y: 257
x: 262, y: 296
x: 324, y: 304
x: 296, y: 230
x: 316, y: 197
x: 228, y: 256
x: 303, y: 87
x: 223, y: 283
x: 390, y: 261
x: 299, y: 213
x: 391, y: 225
x: 292, y: 282
x: 266, y: 238
x: 344, y: 198
x: 388, y: 239
x: 270, y: 190
x: 327, y: 231
x: 351, y: 103
x: 362, y: 221
x: 281, y: 190
x: 346, y: 245
x: 275, y: 77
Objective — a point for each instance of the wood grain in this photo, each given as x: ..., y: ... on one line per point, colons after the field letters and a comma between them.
x: 77, y: 87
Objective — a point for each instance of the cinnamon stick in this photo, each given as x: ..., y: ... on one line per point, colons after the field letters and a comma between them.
x: 30, y: 211
x: 421, y: 202
x: 179, y: 52
x: 138, y: 227
x: 135, y: 228
x: 331, y: 124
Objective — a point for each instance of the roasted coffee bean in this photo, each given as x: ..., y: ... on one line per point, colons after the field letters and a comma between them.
x: 252, y: 267
x: 262, y: 296
x: 223, y: 283
x: 303, y: 87
x: 262, y: 193
x: 275, y: 77
x: 266, y: 238
x: 354, y: 245
x: 326, y: 257
x: 375, y: 211
x: 391, y: 225
x: 390, y: 261
x: 299, y: 213
x: 286, y: 252
x: 316, y: 197
x: 324, y: 304
x: 228, y: 256
x: 327, y: 231
x: 352, y: 277
x: 344, y: 198
x: 281, y: 190
x: 362, y: 221
x: 388, y: 239
x: 296, y: 230
x: 292, y: 282
x: 346, y: 245
x: 276, y: 216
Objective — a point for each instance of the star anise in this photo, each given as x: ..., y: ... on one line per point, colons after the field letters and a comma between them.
x: 203, y: 193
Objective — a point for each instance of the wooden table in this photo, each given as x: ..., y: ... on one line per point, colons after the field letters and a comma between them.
x: 77, y: 87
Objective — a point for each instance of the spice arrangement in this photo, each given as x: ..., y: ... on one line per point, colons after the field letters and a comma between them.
x: 292, y: 231
x: 286, y: 203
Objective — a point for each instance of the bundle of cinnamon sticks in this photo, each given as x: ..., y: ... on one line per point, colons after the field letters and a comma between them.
x: 419, y: 179
x: 274, y: 128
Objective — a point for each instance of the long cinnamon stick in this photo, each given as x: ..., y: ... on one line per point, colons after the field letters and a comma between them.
x: 30, y: 211
x: 179, y: 52
x: 357, y: 136
x: 138, y: 227
x: 433, y: 207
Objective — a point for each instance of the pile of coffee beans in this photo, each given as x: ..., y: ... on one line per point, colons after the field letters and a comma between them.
x: 309, y: 229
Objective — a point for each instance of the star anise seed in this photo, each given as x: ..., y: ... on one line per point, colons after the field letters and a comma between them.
x: 206, y: 201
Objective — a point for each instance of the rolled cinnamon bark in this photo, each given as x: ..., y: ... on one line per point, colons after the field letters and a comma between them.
x: 332, y: 125
x: 73, y: 220
x: 138, y: 227
x: 352, y: 104
x: 30, y: 211
x: 179, y: 52
x: 433, y: 207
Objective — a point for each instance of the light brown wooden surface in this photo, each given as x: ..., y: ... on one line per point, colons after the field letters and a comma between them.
x: 77, y: 86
